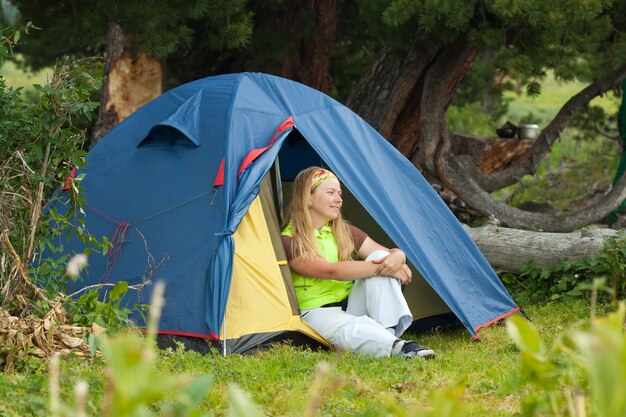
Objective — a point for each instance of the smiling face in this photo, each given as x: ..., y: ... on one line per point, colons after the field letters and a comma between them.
x: 325, y: 202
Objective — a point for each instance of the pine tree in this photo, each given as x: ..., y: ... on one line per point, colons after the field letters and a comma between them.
x: 135, y: 37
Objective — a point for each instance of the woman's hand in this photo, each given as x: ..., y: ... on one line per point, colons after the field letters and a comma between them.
x: 391, y: 263
x: 404, y: 275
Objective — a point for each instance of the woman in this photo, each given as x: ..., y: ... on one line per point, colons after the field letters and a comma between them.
x: 355, y: 305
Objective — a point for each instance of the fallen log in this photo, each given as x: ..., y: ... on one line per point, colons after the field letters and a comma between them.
x: 508, y: 249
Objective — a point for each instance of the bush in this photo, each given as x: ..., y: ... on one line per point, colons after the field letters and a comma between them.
x: 40, y: 141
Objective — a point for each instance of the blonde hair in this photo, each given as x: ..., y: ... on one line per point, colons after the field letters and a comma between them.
x: 303, y: 243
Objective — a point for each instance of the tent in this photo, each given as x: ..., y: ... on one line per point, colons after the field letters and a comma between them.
x: 187, y: 190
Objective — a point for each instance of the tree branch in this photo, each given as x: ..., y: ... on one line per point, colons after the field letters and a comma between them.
x: 470, y: 191
x: 527, y: 164
x: 36, y: 207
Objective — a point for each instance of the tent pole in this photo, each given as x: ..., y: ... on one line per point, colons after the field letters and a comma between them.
x: 224, y: 335
x: 278, y: 191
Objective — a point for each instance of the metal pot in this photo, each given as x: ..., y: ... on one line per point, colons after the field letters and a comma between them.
x: 528, y: 131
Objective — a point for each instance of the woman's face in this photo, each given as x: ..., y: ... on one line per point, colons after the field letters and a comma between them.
x: 325, y: 202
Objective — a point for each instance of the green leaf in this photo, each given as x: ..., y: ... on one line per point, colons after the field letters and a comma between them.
x: 192, y: 396
x: 603, y: 355
x: 91, y: 340
x: 539, y: 371
x: 524, y: 335
x: 447, y: 402
x: 241, y: 405
x: 118, y: 290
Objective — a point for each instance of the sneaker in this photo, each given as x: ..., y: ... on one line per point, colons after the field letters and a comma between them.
x: 411, y: 350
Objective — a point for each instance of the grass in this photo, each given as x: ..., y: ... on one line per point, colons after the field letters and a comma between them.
x: 280, y: 379
x: 554, y: 95
x: 16, y: 77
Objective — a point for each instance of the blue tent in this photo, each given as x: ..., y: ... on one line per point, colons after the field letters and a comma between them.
x: 170, y: 185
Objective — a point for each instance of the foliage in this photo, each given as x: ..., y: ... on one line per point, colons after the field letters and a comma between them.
x: 519, y: 40
x: 522, y: 46
x: 470, y: 119
x: 136, y: 387
x: 280, y: 379
x: 133, y: 388
x: 582, y: 374
x: 39, y: 142
x: 108, y: 313
x: 597, y: 121
x: 161, y: 28
x: 529, y: 36
x: 573, y: 279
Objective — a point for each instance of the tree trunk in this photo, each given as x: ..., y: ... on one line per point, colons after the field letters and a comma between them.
x: 313, y: 67
x: 440, y: 83
x: 311, y: 25
x: 130, y: 81
x: 389, y: 96
x: 405, y: 98
x: 508, y: 249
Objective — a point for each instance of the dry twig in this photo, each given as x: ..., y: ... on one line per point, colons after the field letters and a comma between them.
x: 20, y: 267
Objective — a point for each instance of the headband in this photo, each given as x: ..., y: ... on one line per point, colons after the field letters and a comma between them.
x: 319, y: 176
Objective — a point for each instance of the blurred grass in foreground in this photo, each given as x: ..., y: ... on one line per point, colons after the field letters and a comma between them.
x: 280, y: 379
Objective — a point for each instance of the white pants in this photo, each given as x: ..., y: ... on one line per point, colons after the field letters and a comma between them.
x: 375, y: 304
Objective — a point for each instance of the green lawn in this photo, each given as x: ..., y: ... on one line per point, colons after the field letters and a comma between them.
x: 280, y: 379
x: 17, y: 77
x: 554, y: 95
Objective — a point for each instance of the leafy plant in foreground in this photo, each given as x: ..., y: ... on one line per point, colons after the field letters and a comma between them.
x: 133, y: 387
x: 582, y: 374
x: 41, y: 138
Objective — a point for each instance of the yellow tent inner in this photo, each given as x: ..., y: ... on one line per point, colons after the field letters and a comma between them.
x: 258, y: 300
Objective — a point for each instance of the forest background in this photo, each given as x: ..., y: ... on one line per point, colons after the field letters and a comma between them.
x: 435, y: 77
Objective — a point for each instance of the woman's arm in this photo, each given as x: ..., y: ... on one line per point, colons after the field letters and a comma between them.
x: 341, y: 271
x: 390, y: 264
x: 346, y: 270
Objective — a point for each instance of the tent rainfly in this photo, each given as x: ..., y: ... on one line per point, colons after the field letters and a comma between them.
x: 186, y: 190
